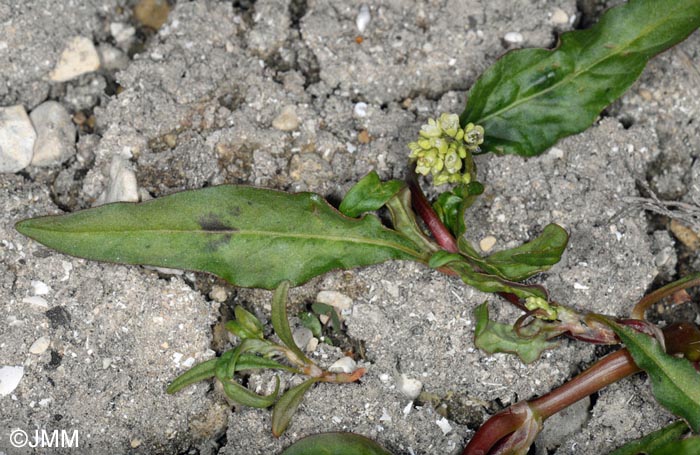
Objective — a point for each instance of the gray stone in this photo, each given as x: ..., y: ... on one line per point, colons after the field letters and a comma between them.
x: 17, y: 137
x: 122, y: 185
x: 55, y: 141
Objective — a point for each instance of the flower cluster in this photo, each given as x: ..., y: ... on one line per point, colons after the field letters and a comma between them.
x: 444, y: 149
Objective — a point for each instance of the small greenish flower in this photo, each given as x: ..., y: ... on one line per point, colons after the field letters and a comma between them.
x: 453, y: 163
x: 431, y: 129
x: 449, y: 124
x: 444, y: 149
x: 473, y: 135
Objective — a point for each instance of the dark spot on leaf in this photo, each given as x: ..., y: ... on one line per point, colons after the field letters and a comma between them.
x: 217, y: 243
x: 58, y: 317
x: 212, y: 222
x: 235, y: 211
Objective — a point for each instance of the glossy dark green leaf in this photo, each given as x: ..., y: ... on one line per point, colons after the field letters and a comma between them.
x: 287, y: 406
x: 369, y: 194
x: 251, y: 237
x: 531, y: 98
x: 242, y: 395
x: 483, y: 281
x: 530, y: 258
x: 451, y: 205
x: 492, y: 336
x: 280, y: 322
x: 335, y: 444
x: 653, y: 441
x: 674, y: 381
x: 688, y: 446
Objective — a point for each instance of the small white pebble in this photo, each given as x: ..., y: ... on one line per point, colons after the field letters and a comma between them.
x: 36, y: 301
x: 361, y: 109
x: 559, y: 17
x: 40, y: 346
x: 384, y: 377
x: 444, y: 426
x: 335, y: 299
x: 336, y: 420
x: 177, y: 357
x: 45, y: 402
x: 385, y: 416
x: 409, y: 387
x: 363, y: 18
x: 514, y: 37
x: 106, y: 362
x: 407, y: 408
x: 39, y: 288
x: 344, y: 365
x: 189, y: 361
x: 580, y: 286
x: 487, y: 243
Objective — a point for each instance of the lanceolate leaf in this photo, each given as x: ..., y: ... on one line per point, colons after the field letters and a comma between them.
x: 686, y: 446
x: 287, y: 406
x: 493, y: 337
x: 207, y: 370
x: 653, y: 441
x: 251, y: 237
x: 335, y: 444
x: 675, y: 382
x: 281, y: 324
x: 483, y: 281
x: 242, y: 395
x: 369, y: 194
x: 530, y: 258
x: 531, y: 98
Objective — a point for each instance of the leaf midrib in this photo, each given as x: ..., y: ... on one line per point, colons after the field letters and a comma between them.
x: 567, y: 78
x: 651, y: 357
x: 248, y: 232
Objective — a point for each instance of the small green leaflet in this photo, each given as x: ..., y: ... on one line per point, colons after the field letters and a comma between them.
x: 369, y: 194
x: 288, y: 404
x: 280, y: 322
x: 674, y: 382
x: 531, y: 98
x: 493, y: 337
x: 335, y: 444
x: 250, y: 237
x: 688, y: 446
x: 653, y: 441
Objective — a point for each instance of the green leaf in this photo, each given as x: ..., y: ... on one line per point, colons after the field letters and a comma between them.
x: 653, y: 441
x: 404, y: 220
x: 674, y: 381
x: 451, y: 205
x: 311, y: 322
x: 687, y: 446
x: 248, y: 322
x: 199, y: 372
x: 207, y: 369
x: 280, y: 322
x: 493, y: 337
x: 531, y: 98
x: 242, y: 395
x: 287, y: 406
x: 530, y: 258
x: 483, y: 281
x: 331, y: 312
x: 368, y: 194
x: 250, y: 237
x: 335, y: 443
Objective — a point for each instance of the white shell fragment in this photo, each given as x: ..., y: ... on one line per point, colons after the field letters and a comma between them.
x: 78, y: 58
x: 122, y: 185
x: 363, y: 18
x: 409, y: 387
x: 444, y: 426
x: 9, y: 379
x: 514, y: 37
x: 17, y: 137
x: 344, y: 365
x: 360, y: 109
